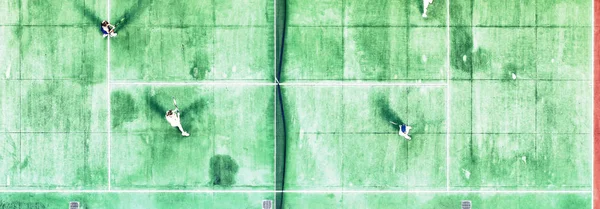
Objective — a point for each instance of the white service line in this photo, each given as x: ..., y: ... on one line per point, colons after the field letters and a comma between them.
x: 356, y: 83
x: 203, y: 83
x: 231, y: 83
x: 440, y: 192
x: 304, y: 191
x: 135, y: 191
x: 448, y: 95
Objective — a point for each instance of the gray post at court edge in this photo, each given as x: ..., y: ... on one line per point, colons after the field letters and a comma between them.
x: 465, y: 204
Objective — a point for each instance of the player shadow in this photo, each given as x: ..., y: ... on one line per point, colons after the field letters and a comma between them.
x: 131, y: 14
x: 87, y: 12
x: 386, y: 112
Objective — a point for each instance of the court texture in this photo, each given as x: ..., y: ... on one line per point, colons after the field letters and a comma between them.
x: 291, y: 101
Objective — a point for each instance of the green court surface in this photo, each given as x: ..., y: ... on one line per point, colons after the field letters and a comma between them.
x: 499, y: 95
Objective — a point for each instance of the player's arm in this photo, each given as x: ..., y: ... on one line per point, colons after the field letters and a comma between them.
x: 175, y: 103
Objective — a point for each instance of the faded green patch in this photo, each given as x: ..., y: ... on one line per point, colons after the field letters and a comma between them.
x: 65, y: 105
x: 482, y: 59
x: 123, y: 108
x: 462, y: 49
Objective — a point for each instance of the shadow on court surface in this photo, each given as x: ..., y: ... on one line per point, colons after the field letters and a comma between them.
x: 132, y: 14
x: 384, y: 110
x: 223, y: 170
x: 88, y: 13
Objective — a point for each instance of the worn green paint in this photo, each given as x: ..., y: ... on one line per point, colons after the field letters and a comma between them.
x: 10, y: 53
x: 427, y: 53
x: 82, y: 156
x: 164, y: 159
x: 375, y: 53
x: 315, y: 129
x: 564, y: 12
x: 376, y: 13
x: 564, y: 53
x: 461, y: 53
x: 461, y: 107
x: 62, y: 106
x: 161, y: 54
x: 134, y: 200
x: 531, y: 133
x: 461, y: 12
x: 504, y: 107
x: 313, y: 53
x: 9, y: 105
x: 503, y: 13
x: 564, y: 106
x: 514, y: 46
x: 314, y: 12
x: 430, y: 201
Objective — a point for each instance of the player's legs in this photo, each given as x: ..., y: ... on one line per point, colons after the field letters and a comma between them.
x: 425, y: 5
x: 408, y: 129
x: 182, y: 131
x: 179, y: 124
x: 404, y: 135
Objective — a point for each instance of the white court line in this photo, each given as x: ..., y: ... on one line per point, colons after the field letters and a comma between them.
x: 203, y: 83
x: 440, y: 191
x: 357, y: 83
x: 108, y: 123
x: 303, y: 191
x: 448, y: 95
x: 135, y: 191
x: 108, y: 120
x: 234, y: 83
x: 275, y: 137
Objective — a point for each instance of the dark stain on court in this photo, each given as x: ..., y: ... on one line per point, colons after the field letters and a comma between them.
x: 223, y: 170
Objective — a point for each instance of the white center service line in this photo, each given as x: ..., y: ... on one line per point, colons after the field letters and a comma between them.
x: 108, y: 120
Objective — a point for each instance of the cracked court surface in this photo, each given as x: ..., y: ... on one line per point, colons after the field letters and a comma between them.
x: 83, y: 116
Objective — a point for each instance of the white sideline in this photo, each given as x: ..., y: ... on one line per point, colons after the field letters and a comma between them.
x: 448, y: 95
x: 108, y: 120
x: 305, y: 191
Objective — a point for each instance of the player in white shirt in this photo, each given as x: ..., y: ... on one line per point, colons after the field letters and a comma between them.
x: 173, y: 119
x: 426, y: 4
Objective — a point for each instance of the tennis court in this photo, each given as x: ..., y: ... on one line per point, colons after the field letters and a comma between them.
x: 291, y: 101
